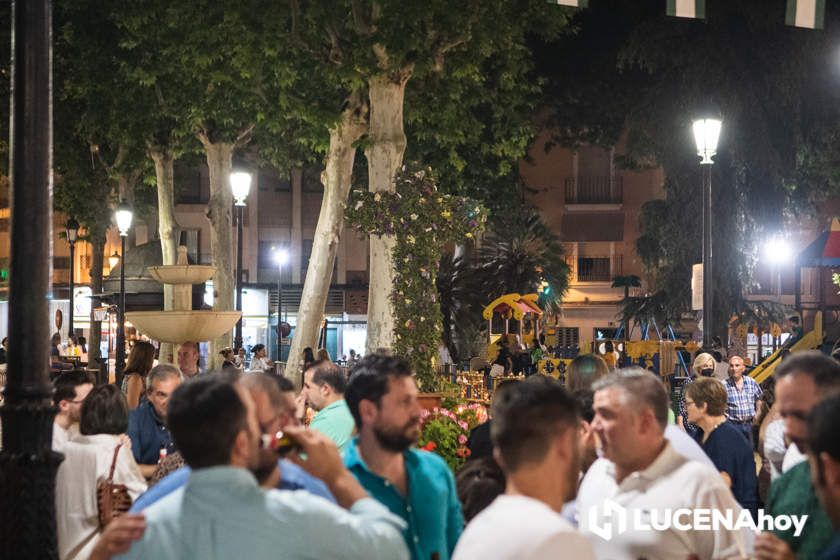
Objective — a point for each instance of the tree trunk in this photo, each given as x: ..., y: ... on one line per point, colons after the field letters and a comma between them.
x: 385, y: 156
x: 167, y: 226
x: 97, y: 243
x: 220, y: 213
x: 338, y: 170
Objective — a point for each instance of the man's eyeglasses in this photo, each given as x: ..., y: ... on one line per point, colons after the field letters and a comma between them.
x: 688, y: 402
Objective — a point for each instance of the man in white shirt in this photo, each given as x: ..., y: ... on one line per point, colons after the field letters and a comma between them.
x: 644, y: 476
x: 188, y: 358
x: 71, y: 388
x: 535, y: 437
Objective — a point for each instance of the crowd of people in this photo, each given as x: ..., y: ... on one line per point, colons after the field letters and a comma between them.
x: 222, y: 465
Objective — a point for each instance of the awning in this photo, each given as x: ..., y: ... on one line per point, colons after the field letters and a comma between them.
x: 824, y: 250
x: 514, y: 306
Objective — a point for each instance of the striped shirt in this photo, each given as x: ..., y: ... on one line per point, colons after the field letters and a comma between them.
x: 740, y: 405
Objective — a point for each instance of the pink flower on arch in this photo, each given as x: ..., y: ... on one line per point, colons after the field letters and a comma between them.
x: 462, y: 439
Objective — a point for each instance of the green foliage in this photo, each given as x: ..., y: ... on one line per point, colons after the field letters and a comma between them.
x: 445, y: 431
x: 423, y: 221
x: 646, y: 76
x: 518, y: 254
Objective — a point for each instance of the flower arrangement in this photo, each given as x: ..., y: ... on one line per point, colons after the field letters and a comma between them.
x: 423, y: 222
x: 445, y: 432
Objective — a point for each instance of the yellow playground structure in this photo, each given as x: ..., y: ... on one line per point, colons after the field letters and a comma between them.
x: 809, y: 341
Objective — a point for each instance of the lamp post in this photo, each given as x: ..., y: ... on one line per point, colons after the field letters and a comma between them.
x: 72, y: 230
x: 114, y: 260
x: 124, y: 215
x: 706, y: 134
x: 281, y: 256
x: 240, y: 185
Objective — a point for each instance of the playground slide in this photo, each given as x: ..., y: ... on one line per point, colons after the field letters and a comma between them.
x: 809, y: 341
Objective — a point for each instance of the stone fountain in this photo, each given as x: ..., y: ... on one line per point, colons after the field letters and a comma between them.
x: 182, y: 323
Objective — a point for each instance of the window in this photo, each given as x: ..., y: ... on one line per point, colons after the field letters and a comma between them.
x: 192, y: 185
x: 192, y: 240
x: 593, y: 269
x: 267, y: 264
x: 568, y: 337
x: 604, y: 333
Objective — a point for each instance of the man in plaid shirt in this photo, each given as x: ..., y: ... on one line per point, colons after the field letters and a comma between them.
x: 742, y: 396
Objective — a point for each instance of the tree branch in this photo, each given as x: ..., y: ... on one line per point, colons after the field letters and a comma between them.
x: 244, y: 136
x: 363, y: 28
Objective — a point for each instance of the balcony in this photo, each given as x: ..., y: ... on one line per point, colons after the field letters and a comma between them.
x: 584, y: 189
x: 595, y: 269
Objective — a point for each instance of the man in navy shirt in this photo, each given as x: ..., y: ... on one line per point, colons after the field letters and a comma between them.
x: 723, y: 442
x: 147, y: 423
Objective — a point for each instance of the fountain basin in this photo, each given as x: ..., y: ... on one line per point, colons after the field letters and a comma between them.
x: 183, y: 326
x: 182, y: 273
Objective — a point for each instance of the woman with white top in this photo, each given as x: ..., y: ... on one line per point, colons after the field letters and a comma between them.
x: 87, y: 460
x: 259, y: 362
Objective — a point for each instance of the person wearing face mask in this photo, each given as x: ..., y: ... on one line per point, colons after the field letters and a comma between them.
x: 704, y: 366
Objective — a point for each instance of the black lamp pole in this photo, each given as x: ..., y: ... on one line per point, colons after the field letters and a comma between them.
x: 72, y: 231
x: 708, y: 285
x: 279, y: 313
x: 119, y: 364
x: 237, y: 336
x: 27, y: 463
x: 124, y: 218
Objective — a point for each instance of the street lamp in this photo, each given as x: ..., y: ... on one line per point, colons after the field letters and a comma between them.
x: 114, y: 260
x: 706, y: 135
x: 72, y: 230
x: 240, y: 185
x: 779, y: 253
x: 124, y: 215
x: 281, y: 257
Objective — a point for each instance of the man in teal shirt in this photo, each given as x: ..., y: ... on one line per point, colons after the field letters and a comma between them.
x: 416, y: 485
x: 223, y: 513
x: 323, y: 387
x: 803, y: 379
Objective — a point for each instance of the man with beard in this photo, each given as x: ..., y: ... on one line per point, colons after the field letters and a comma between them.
x: 535, y: 438
x: 223, y: 513
x: 415, y: 485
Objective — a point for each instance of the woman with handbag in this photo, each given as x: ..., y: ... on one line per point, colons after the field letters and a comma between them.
x: 98, y: 479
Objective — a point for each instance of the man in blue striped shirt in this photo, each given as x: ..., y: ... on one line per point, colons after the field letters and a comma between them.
x: 742, y: 397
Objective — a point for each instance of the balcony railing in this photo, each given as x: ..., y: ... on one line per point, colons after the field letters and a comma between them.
x: 594, y: 190
x: 596, y: 269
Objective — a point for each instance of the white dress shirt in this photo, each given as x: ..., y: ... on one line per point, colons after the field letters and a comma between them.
x: 671, y: 482
x: 62, y: 436
x: 793, y: 456
x: 261, y: 364
x: 775, y: 447
x: 520, y: 528
x: 87, y: 459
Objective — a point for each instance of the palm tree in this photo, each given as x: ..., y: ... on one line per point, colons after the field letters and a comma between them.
x: 626, y: 282
x: 460, y: 304
x: 518, y: 254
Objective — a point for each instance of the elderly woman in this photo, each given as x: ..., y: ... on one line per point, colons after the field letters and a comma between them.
x: 87, y: 459
x: 704, y: 366
x: 584, y: 371
x: 726, y: 446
